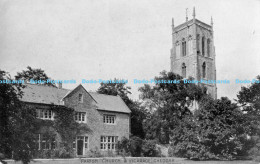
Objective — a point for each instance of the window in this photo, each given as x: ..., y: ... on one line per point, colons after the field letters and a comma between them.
x: 109, y: 119
x: 45, y: 114
x: 190, y: 50
x: 204, y: 70
x: 108, y: 142
x: 203, y: 45
x: 183, y: 70
x: 198, y: 44
x: 183, y: 44
x: 178, y: 50
x: 45, y: 142
x: 80, y: 98
x: 80, y: 117
x: 208, y: 47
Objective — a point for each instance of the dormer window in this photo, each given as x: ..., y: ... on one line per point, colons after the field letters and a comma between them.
x: 80, y: 98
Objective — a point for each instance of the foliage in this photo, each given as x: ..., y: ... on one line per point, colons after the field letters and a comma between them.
x: 138, y: 112
x: 168, y: 103
x: 34, y: 74
x: 130, y: 147
x: 19, y: 125
x: 95, y: 153
x: 149, y: 148
x: 16, y: 123
x: 136, y: 147
x: 213, y: 132
x: 116, y: 89
x: 67, y: 128
x: 249, y: 99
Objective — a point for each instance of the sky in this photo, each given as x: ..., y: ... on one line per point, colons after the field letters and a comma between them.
x: 106, y: 39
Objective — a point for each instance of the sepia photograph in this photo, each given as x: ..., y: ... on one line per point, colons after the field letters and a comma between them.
x: 134, y: 82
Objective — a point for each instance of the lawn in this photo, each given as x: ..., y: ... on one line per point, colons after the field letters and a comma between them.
x: 218, y: 162
x: 176, y: 161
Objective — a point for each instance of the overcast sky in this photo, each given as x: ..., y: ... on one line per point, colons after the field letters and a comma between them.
x: 104, y: 39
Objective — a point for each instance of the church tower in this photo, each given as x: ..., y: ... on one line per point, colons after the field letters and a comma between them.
x: 193, y: 51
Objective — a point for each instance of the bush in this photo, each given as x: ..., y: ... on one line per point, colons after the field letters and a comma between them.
x: 149, y: 148
x: 254, y: 152
x: 130, y: 147
x: 94, y: 153
x: 136, y: 147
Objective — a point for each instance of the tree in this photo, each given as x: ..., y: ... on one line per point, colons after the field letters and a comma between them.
x: 213, y: 132
x: 249, y: 99
x: 138, y: 113
x: 34, y: 74
x: 116, y: 89
x: 168, y: 101
x: 16, y: 123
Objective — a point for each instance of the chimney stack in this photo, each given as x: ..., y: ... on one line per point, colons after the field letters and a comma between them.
x: 60, y: 85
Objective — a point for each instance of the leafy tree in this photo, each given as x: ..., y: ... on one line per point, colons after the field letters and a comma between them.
x: 168, y: 101
x: 213, y: 132
x: 138, y: 113
x: 249, y: 99
x: 16, y: 123
x: 34, y: 74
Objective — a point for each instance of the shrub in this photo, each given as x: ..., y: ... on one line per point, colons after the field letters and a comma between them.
x: 149, y: 148
x: 94, y: 153
x: 136, y: 147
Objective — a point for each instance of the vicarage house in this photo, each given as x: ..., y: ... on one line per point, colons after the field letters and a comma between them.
x: 107, y: 116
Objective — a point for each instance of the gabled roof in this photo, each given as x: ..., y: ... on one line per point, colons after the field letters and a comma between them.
x: 43, y: 94
x: 110, y: 103
x: 50, y: 95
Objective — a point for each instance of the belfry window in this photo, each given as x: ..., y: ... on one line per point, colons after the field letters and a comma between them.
x: 183, y: 70
x: 198, y: 44
x: 190, y: 45
x: 183, y: 48
x: 203, y: 45
x: 208, y: 47
x: 204, y: 70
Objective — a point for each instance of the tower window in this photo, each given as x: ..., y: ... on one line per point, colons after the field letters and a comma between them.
x: 178, y: 50
x: 184, y: 48
x: 198, y: 43
x: 190, y: 45
x: 204, y: 70
x: 203, y: 45
x: 208, y: 47
x: 183, y: 70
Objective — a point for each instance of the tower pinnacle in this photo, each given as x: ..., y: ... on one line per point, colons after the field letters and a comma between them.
x: 211, y: 21
x: 186, y: 14
x: 193, y: 14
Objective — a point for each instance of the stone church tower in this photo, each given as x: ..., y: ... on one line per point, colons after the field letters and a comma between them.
x: 193, y: 52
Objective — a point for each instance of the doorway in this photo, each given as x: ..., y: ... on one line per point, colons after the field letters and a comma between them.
x: 82, y: 145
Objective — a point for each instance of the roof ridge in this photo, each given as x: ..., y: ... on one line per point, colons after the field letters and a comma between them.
x: 105, y: 94
x: 41, y: 85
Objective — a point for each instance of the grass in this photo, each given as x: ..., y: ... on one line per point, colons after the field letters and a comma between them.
x: 218, y: 162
